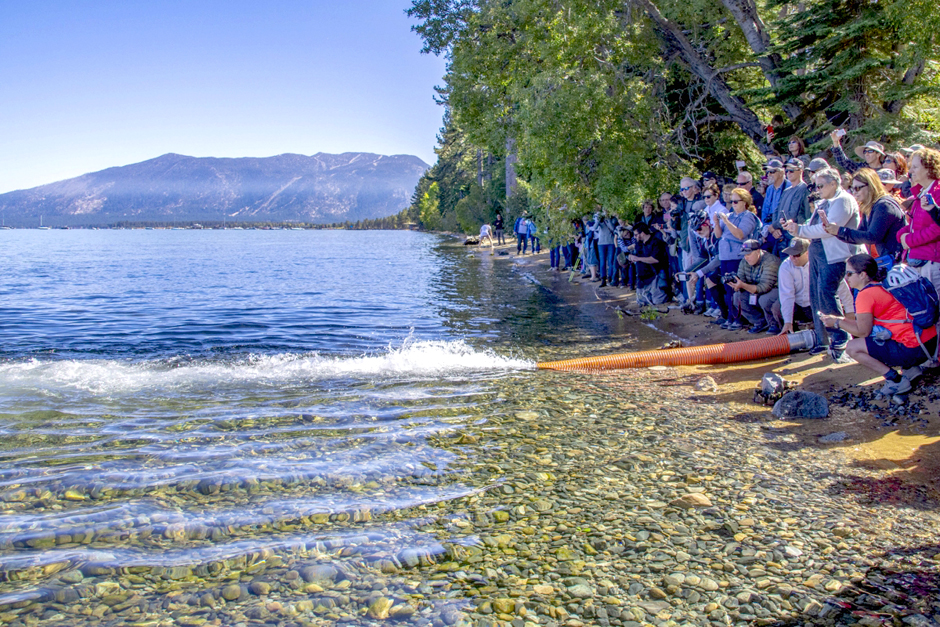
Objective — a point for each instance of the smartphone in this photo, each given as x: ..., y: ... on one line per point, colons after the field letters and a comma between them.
x: 928, y: 200
x: 840, y: 132
x: 740, y: 165
x: 823, y: 217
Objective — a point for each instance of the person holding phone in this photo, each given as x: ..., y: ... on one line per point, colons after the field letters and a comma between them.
x: 827, y: 255
x: 921, y: 238
x: 872, y: 152
x: 882, y: 217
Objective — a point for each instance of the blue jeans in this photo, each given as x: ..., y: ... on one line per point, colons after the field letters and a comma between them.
x: 554, y: 256
x: 824, y: 281
x: 607, y: 256
x: 522, y: 242
x: 536, y: 247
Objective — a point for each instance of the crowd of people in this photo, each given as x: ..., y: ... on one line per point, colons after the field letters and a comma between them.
x: 806, y: 243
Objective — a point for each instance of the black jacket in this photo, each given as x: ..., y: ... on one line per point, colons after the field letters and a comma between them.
x: 880, y: 227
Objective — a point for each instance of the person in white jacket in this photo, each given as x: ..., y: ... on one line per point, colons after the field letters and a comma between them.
x: 827, y: 255
x: 792, y: 303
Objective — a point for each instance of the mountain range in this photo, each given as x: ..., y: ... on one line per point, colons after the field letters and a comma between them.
x: 322, y: 188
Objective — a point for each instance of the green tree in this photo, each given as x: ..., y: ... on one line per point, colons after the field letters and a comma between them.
x: 429, y: 208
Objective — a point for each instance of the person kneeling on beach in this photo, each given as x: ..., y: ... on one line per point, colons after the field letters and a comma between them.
x: 755, y: 286
x: 884, y: 339
x: 650, y: 259
x: 792, y: 303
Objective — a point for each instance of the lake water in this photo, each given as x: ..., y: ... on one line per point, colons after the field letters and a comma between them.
x: 181, y: 405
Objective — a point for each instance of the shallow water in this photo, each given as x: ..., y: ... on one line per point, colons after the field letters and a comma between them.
x: 184, y: 405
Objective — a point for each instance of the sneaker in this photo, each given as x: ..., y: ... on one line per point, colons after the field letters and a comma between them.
x: 891, y: 388
x: 760, y: 328
x: 733, y: 326
x: 699, y: 308
x: 912, y: 374
x: 720, y: 322
x: 838, y: 355
x: 818, y: 350
x: 688, y: 308
x: 774, y: 330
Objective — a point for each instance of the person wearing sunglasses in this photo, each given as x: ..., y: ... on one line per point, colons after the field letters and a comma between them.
x: 827, y: 255
x: 794, y: 205
x: 884, y: 339
x: 732, y: 230
x: 897, y: 163
x: 881, y: 217
x: 777, y: 183
x: 713, y: 205
x: 872, y: 153
x: 745, y: 180
x: 691, y: 202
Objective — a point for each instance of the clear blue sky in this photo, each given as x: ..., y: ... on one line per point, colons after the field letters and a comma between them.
x: 90, y: 84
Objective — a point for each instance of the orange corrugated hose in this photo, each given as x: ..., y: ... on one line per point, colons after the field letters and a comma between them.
x: 688, y: 356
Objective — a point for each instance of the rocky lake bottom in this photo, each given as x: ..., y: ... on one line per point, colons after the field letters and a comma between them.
x: 622, y: 498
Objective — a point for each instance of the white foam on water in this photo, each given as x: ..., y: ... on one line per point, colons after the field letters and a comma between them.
x: 412, y: 360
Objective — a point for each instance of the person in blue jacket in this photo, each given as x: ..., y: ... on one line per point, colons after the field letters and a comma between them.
x: 519, y: 228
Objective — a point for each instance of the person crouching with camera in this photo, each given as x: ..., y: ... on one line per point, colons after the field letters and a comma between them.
x: 755, y: 286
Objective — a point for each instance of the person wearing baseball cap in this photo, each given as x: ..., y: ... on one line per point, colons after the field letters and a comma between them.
x: 792, y: 304
x: 872, y: 152
x: 755, y: 286
x: 776, y: 184
x: 817, y: 164
x: 794, y: 204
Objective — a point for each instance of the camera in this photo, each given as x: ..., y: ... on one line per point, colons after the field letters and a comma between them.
x: 729, y: 277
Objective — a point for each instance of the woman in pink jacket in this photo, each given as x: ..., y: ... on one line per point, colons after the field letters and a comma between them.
x: 921, y: 238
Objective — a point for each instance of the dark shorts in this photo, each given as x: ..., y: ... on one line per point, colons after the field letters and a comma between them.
x: 895, y: 354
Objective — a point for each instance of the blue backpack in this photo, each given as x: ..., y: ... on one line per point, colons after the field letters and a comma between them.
x: 917, y: 295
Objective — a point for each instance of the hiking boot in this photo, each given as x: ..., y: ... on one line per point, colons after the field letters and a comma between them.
x: 720, y: 322
x: 773, y: 330
x: 733, y: 326
x: 760, y: 328
x: 699, y: 308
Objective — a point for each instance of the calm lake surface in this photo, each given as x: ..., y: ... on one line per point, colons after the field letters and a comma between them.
x: 184, y: 404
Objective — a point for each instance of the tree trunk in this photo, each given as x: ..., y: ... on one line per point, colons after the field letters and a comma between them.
x: 746, y: 15
x: 674, y: 40
x: 510, y: 167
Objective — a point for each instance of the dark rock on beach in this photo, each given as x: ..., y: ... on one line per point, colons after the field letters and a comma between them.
x: 802, y: 404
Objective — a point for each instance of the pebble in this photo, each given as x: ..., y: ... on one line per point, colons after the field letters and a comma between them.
x: 627, y: 505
